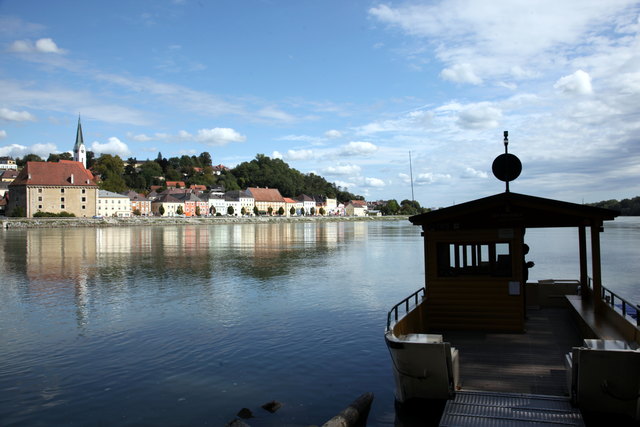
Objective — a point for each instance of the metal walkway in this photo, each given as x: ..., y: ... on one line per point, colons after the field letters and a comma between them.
x: 479, y: 408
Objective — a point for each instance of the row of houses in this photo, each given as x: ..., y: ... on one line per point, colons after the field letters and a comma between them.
x: 68, y: 186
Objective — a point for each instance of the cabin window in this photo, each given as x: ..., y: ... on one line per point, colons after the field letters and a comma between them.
x: 474, y: 259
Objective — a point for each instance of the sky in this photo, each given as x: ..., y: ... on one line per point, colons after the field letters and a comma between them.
x: 370, y: 95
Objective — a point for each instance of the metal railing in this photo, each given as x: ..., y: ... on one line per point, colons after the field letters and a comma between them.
x: 405, y: 302
x: 619, y: 304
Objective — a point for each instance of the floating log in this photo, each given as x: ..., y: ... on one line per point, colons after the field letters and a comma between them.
x: 354, y: 415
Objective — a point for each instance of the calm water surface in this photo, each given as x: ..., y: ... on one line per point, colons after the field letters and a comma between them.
x: 186, y: 325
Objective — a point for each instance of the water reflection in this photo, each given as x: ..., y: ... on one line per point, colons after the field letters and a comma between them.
x: 80, y: 263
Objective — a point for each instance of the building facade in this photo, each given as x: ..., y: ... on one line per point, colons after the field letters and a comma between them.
x: 113, y: 204
x: 64, y: 186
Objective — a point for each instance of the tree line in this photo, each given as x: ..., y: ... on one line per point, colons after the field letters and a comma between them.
x: 627, y: 207
x: 118, y: 175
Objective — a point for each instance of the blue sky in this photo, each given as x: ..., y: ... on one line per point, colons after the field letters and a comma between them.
x: 344, y: 89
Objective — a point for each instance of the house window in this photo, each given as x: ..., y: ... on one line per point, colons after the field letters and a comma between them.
x: 39, y: 190
x: 39, y: 198
x: 61, y: 206
x: 62, y: 190
x: 84, y: 199
x: 84, y: 207
x: 39, y: 206
x: 62, y: 199
x: 84, y: 191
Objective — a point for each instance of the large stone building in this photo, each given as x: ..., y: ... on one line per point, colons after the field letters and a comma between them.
x: 64, y: 186
x: 267, y: 200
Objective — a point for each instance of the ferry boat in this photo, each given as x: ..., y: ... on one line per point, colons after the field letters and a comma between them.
x: 478, y: 325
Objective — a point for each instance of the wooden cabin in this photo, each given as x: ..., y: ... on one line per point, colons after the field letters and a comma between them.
x: 474, y: 259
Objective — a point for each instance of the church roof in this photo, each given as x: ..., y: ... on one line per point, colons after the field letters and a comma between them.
x: 79, y: 138
x: 62, y: 173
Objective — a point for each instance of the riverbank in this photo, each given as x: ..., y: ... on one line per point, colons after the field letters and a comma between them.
x: 8, y: 223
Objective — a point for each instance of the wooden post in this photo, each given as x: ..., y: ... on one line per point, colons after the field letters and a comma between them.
x: 354, y: 415
x: 595, y: 265
x: 582, y: 238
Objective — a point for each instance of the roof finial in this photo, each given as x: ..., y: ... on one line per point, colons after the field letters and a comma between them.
x: 506, y: 167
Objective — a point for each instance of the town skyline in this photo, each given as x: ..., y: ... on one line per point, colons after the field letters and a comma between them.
x: 345, y: 91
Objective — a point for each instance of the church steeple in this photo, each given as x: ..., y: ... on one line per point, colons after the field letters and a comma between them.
x: 79, y: 151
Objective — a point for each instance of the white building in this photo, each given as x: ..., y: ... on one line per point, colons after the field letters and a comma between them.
x: 8, y: 163
x: 113, y: 204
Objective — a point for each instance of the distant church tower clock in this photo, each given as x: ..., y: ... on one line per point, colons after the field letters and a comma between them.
x: 79, y: 150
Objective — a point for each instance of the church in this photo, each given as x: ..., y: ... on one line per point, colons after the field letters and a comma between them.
x: 54, y: 187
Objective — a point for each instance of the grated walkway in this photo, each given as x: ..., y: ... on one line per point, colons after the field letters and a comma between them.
x: 477, y: 408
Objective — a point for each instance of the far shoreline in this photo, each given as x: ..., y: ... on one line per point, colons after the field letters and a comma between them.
x: 19, y: 223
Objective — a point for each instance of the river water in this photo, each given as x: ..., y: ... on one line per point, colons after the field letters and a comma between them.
x: 186, y: 325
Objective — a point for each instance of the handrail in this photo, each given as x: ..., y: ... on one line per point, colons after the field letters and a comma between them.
x: 404, y: 302
x: 626, y: 308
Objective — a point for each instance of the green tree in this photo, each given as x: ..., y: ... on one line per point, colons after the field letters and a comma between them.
x: 137, y: 212
x: 256, y: 212
x: 292, y: 211
x: 322, y: 211
x: 281, y: 211
x: 390, y: 208
x: 302, y: 211
x: 18, y: 211
x: 243, y: 211
x: 57, y: 157
x: 28, y: 158
x: 205, y: 159
x: 312, y: 211
x: 161, y: 210
x: 212, y: 210
x: 180, y: 211
x: 197, y: 210
x: 270, y: 210
x: 230, y: 210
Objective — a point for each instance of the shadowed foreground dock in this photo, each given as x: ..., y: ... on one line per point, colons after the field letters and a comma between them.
x: 531, y: 363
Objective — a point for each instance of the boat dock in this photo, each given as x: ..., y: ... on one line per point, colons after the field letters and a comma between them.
x: 530, y: 362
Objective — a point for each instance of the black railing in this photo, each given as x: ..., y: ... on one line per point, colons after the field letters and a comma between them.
x: 619, y: 304
x: 405, y: 302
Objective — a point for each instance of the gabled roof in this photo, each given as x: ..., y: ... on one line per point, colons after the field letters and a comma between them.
x: 513, y: 210
x: 305, y: 198
x: 62, y: 173
x: 135, y: 197
x: 186, y: 197
x: 166, y: 198
x: 265, y: 194
x: 290, y: 201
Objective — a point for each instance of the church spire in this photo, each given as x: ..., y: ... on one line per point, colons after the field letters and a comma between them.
x: 79, y: 151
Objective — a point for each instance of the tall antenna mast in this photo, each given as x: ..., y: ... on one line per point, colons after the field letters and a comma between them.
x: 411, y: 172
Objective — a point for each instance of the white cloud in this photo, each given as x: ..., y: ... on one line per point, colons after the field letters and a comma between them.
x: 299, y: 154
x: 45, y: 45
x: 479, y: 116
x: 373, y: 182
x: 113, y: 146
x: 345, y: 184
x: 506, y: 39
x: 276, y: 155
x: 218, y: 136
x: 140, y: 138
x: 578, y: 83
x: 357, y: 148
x: 17, y: 150
x: 15, y: 116
x: 470, y: 172
x: 333, y: 133
x: 276, y: 114
x: 342, y: 170
x: 431, y: 178
x: 3, y: 134
x: 461, y: 73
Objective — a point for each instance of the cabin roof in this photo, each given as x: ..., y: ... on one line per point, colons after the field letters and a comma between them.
x: 513, y: 210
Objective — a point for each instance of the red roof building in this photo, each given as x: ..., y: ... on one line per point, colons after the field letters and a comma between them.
x: 54, y: 187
